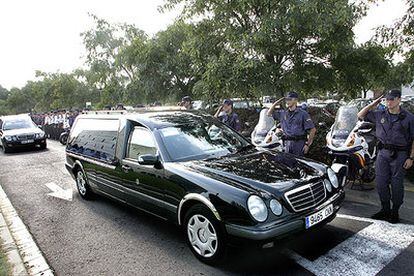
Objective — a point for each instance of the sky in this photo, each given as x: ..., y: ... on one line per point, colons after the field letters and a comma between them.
x: 45, y: 34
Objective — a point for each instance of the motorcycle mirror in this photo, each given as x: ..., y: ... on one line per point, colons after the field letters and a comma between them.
x: 364, y: 130
x: 366, y: 125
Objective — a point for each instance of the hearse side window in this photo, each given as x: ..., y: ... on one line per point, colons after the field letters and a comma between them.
x: 140, y: 142
x: 95, y: 138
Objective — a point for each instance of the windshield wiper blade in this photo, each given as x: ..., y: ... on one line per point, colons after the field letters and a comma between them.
x: 244, y: 148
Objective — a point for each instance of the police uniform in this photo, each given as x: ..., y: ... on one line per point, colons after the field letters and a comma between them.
x: 232, y: 120
x: 395, y: 134
x: 295, y: 125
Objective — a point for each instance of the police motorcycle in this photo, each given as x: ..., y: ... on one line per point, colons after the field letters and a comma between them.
x: 352, y: 142
x: 64, y: 136
x: 266, y: 134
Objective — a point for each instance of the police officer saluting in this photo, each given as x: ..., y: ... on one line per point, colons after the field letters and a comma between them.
x: 395, y: 132
x: 297, y: 126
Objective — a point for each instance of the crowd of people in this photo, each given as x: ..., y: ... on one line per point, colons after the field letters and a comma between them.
x: 54, y: 123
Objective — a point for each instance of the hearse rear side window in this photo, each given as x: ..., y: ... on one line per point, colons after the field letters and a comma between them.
x: 95, y: 138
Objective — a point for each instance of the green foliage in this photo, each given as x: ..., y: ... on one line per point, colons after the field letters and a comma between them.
x: 269, y: 47
x: 398, y: 39
x: 231, y: 48
x: 361, y: 69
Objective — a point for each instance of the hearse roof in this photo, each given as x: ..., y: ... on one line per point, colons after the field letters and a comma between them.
x: 151, y: 119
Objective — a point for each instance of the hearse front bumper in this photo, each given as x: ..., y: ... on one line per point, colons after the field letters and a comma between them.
x: 281, y: 228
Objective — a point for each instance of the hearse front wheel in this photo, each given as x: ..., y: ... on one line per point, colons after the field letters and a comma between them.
x: 204, y: 234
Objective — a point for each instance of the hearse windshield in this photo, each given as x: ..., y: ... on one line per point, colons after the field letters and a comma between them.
x: 200, y: 140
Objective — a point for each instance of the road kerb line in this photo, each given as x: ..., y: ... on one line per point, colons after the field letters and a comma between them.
x: 21, y: 241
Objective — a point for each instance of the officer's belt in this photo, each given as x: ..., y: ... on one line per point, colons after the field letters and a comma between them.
x: 393, y: 147
x: 294, y: 138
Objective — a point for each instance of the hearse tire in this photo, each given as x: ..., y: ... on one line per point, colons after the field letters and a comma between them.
x: 205, y: 235
x: 82, y: 185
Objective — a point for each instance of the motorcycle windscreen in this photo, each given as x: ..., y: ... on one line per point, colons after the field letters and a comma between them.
x: 264, y: 125
x: 345, y: 121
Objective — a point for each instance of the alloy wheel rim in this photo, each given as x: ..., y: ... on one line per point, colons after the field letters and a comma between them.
x: 202, y: 235
x: 80, y: 180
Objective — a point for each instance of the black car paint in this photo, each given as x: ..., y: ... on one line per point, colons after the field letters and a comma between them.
x: 226, y: 182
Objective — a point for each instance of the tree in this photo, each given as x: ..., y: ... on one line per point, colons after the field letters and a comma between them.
x: 169, y: 70
x: 271, y: 46
x: 399, y: 40
x: 3, y: 93
x: 112, y: 57
x: 361, y: 69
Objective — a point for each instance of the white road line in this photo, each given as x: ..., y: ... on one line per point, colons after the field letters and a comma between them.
x: 31, y: 255
x: 365, y: 253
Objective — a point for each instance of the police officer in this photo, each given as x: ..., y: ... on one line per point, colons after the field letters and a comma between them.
x: 187, y: 103
x: 226, y: 114
x: 395, y: 132
x: 297, y: 126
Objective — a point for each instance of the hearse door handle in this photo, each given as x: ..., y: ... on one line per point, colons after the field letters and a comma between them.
x: 126, y: 168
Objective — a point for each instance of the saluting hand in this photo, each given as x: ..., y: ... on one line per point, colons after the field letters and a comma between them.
x: 306, y: 149
x: 377, y: 101
x: 278, y: 101
x: 408, y: 164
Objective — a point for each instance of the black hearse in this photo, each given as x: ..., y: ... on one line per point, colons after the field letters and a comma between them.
x: 197, y: 172
x: 18, y: 131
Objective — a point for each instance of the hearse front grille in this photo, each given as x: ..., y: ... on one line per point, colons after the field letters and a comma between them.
x: 306, y: 197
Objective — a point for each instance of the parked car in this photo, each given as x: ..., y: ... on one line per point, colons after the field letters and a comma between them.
x: 189, y: 168
x: 18, y: 131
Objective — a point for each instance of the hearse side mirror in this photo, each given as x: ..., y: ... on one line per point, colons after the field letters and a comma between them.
x: 148, y: 159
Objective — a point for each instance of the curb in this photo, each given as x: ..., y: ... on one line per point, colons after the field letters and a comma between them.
x: 20, y: 248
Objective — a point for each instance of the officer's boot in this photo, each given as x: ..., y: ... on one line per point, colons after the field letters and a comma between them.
x: 394, y: 217
x: 384, y: 213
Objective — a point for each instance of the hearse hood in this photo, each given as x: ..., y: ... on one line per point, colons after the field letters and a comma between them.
x: 262, y: 170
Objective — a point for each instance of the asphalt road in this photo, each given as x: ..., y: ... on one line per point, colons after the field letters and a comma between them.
x: 103, y: 237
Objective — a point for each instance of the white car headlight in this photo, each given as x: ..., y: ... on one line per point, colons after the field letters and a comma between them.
x: 276, y: 207
x: 333, y: 178
x: 328, y: 185
x: 257, y: 208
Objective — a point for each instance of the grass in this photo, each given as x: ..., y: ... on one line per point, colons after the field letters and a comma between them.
x: 4, y: 265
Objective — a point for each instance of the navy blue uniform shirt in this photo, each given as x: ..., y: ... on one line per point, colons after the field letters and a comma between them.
x: 397, y: 130
x: 294, y: 123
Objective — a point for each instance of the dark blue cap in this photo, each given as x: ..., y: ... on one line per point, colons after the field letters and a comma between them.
x: 292, y: 95
x: 392, y: 94
x: 228, y: 102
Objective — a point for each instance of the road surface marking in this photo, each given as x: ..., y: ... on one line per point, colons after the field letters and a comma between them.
x: 365, y: 253
x: 30, y: 254
x: 58, y: 192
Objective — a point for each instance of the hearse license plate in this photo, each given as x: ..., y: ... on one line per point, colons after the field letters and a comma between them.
x: 27, y: 141
x: 319, y: 216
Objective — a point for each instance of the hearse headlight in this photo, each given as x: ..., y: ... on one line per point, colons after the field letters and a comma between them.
x: 257, y: 208
x: 333, y: 178
x: 328, y: 185
x: 276, y: 207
